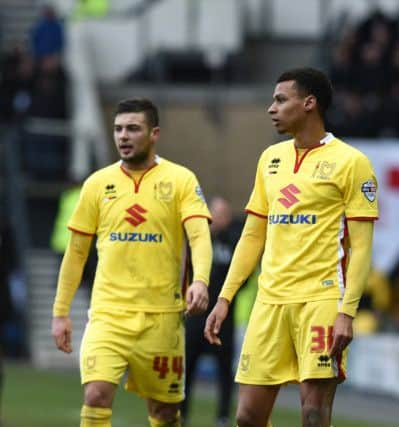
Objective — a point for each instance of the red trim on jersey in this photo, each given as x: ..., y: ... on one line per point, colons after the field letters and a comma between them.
x: 125, y: 171
x: 184, y: 285
x: 299, y: 160
x: 137, y: 183
x: 198, y: 216
x: 362, y: 218
x: 345, y: 257
x: 341, y: 373
x: 255, y: 213
x: 81, y: 232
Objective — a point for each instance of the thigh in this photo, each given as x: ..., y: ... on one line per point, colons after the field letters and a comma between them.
x: 104, y: 350
x: 156, y: 364
x: 314, y: 339
x: 268, y: 354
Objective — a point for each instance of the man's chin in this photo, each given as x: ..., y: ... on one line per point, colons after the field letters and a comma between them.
x: 133, y: 160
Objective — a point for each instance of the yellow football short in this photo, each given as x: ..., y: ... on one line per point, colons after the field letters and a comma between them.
x: 150, y: 346
x: 290, y: 343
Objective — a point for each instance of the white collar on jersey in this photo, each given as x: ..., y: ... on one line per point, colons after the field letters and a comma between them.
x: 157, y: 160
x: 328, y: 138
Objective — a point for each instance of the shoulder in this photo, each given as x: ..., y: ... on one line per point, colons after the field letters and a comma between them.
x: 103, y: 173
x: 105, y: 176
x: 276, y: 150
x: 179, y: 171
x: 351, y: 154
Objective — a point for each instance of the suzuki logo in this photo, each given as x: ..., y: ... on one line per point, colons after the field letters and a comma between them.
x: 289, y: 198
x: 135, y: 217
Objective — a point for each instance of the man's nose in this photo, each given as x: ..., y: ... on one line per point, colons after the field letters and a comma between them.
x: 123, y: 133
x: 271, y: 109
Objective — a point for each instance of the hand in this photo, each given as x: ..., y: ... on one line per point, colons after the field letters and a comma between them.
x: 62, y: 331
x: 197, y: 298
x: 342, y: 334
x: 215, y: 320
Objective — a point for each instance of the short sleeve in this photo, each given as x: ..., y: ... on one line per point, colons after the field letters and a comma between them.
x: 192, y: 199
x: 257, y: 203
x: 85, y: 216
x: 360, y: 191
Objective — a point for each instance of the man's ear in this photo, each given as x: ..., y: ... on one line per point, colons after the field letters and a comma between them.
x: 310, y: 103
x: 155, y: 132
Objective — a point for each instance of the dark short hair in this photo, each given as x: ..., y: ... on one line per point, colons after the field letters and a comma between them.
x: 139, y: 105
x: 310, y: 81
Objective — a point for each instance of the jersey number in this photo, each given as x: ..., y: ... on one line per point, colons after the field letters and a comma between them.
x: 322, y: 338
x: 161, y: 365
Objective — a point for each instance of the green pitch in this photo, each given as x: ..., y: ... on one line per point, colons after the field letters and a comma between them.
x: 33, y: 398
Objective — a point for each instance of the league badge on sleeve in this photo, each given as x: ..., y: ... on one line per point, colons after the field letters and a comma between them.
x: 199, y: 193
x: 369, y: 189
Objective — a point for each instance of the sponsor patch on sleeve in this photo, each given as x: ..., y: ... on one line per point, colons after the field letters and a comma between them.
x: 369, y: 189
x: 199, y: 193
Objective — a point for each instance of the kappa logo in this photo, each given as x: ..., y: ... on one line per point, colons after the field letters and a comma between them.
x: 289, y: 193
x: 136, y: 218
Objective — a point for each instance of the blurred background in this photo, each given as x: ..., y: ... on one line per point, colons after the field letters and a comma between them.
x: 210, y: 65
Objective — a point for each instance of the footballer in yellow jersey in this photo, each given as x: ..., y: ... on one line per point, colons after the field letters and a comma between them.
x: 307, y: 198
x: 141, y: 245
x: 310, y: 221
x: 148, y: 214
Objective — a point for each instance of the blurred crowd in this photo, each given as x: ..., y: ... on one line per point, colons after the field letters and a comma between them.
x: 364, y: 69
x: 33, y: 90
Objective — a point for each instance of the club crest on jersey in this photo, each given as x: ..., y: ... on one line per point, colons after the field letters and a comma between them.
x: 323, y: 170
x: 369, y: 189
x: 163, y: 191
x: 244, y: 362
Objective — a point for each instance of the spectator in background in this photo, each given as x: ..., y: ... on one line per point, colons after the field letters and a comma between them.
x: 374, y: 302
x: 225, y: 234
x: 47, y: 35
x: 350, y: 116
x: 371, y: 74
x: 16, y: 82
x: 49, y: 91
x: 46, y: 151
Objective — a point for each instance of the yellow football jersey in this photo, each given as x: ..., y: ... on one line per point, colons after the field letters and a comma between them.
x: 141, y: 245
x: 307, y: 196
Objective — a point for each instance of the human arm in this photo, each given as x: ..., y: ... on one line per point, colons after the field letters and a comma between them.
x: 246, y: 256
x: 360, y: 236
x: 69, y: 278
x: 197, y: 230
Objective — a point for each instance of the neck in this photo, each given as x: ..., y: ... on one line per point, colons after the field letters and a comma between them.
x: 139, y: 166
x: 308, y: 138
